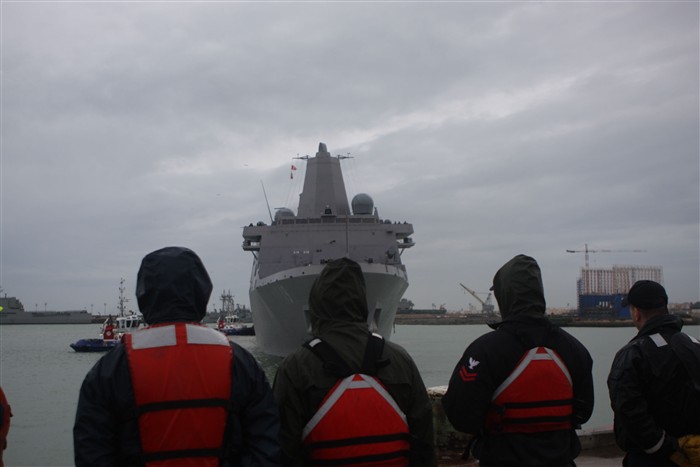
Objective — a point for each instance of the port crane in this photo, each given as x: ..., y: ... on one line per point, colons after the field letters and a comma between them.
x: 587, y: 251
x: 486, y: 305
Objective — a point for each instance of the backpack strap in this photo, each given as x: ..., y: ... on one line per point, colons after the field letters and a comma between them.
x: 372, y: 360
x: 332, y: 363
x: 335, y: 365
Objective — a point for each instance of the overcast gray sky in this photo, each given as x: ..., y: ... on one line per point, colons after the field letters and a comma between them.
x: 495, y: 128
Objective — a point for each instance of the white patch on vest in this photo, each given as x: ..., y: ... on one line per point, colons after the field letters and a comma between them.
x: 529, y: 357
x: 694, y: 339
x: 314, y: 342
x: 162, y: 336
x: 205, y: 336
x: 345, y: 384
x: 658, y: 340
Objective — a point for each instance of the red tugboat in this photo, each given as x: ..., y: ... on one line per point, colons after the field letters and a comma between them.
x: 111, y: 332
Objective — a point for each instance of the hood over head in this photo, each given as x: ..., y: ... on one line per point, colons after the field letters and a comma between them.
x: 338, y: 297
x: 518, y: 288
x: 172, y: 285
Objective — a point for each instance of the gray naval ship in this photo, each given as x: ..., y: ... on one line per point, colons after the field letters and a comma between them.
x: 290, y: 254
x: 12, y: 312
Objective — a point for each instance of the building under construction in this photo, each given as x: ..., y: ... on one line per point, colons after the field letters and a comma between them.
x: 601, y: 291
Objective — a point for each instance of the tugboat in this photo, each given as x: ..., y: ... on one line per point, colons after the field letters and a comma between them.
x: 229, y: 322
x: 108, y: 340
x: 112, y: 329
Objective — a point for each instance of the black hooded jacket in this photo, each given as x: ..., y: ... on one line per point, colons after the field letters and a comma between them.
x: 172, y: 286
x: 338, y: 315
x: 518, y: 289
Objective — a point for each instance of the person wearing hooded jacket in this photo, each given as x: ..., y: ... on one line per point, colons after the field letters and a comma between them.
x: 522, y: 389
x: 175, y: 390
x: 339, y: 317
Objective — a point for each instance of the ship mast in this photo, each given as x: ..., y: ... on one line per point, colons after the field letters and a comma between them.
x: 324, y: 189
x: 122, y: 298
x: 227, y: 302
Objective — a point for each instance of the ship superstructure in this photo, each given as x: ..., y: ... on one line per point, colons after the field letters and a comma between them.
x: 291, y: 252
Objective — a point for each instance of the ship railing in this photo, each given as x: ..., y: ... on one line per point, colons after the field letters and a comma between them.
x: 336, y: 220
x: 406, y: 242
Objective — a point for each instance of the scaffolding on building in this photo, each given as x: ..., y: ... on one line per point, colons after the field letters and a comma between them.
x: 600, y: 291
x: 619, y: 279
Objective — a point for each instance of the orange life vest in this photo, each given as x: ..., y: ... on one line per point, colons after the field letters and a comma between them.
x: 181, y: 376
x: 358, y: 423
x: 537, y: 396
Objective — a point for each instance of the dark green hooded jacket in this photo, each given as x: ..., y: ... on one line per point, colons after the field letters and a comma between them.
x: 338, y: 315
x: 492, y: 357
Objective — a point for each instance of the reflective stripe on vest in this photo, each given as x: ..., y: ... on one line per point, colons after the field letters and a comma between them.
x: 659, y: 340
x: 358, y: 423
x: 537, y: 396
x: 181, y: 376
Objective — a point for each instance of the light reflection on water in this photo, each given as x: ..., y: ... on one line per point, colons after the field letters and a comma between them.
x: 41, y: 376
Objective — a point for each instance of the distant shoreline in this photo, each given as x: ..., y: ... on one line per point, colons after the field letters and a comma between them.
x: 561, y: 321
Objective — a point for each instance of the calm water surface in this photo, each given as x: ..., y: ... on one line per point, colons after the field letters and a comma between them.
x: 41, y: 376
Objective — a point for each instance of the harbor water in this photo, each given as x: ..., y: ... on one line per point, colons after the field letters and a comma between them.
x: 41, y: 376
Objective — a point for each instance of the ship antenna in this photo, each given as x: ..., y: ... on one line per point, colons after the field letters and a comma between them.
x: 122, y: 299
x: 266, y: 202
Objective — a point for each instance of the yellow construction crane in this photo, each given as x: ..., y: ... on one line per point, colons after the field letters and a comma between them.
x: 586, y: 251
x: 486, y: 305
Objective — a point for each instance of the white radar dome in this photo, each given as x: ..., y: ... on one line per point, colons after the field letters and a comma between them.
x: 283, y: 212
x: 362, y: 203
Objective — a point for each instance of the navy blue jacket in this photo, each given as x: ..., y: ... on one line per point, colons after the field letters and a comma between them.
x: 172, y: 286
x: 498, y: 353
x: 106, y: 428
x: 491, y: 358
